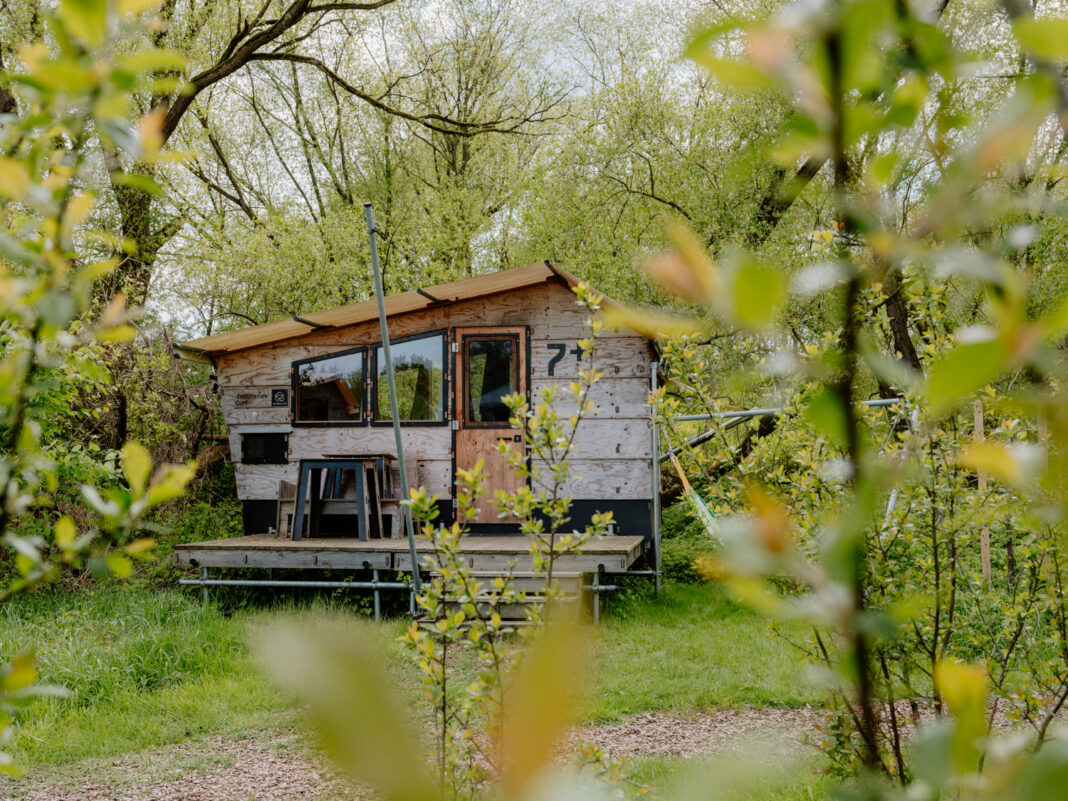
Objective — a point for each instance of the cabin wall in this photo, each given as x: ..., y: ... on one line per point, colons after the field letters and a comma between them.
x: 612, y: 451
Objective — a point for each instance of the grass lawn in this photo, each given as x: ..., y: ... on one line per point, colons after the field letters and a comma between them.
x: 151, y: 668
x: 693, y: 648
x: 731, y: 779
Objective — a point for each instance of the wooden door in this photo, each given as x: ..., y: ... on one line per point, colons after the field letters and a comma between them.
x: 491, y: 363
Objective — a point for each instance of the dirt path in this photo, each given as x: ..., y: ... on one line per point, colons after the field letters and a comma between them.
x: 272, y: 767
x: 280, y: 766
x: 664, y: 735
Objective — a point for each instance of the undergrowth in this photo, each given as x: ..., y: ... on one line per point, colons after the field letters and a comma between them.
x: 150, y: 668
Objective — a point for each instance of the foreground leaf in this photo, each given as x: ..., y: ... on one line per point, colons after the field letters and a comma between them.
x: 353, y: 705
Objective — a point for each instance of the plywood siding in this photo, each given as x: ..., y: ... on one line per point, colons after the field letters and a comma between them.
x: 612, y: 396
x: 619, y: 357
x: 257, y: 482
x: 609, y: 479
x: 425, y: 442
x: 612, y: 448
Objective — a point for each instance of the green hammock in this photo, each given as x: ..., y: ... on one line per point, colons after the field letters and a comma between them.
x: 704, y: 514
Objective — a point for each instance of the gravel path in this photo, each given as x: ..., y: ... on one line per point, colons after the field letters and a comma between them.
x: 280, y: 766
x: 664, y: 735
x: 273, y: 768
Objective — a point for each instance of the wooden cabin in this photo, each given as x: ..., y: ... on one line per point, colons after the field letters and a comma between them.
x: 313, y: 387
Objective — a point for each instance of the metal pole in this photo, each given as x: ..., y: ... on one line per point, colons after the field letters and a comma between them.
x: 380, y: 296
x: 378, y: 596
x: 596, y: 598
x: 204, y: 580
x: 745, y: 413
x: 655, y: 434
x: 318, y: 585
x: 737, y: 418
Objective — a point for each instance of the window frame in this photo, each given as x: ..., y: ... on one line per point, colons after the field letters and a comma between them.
x: 466, y: 390
x: 295, y: 371
x: 376, y: 347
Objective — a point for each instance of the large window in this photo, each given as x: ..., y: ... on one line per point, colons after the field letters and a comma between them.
x: 330, y: 388
x: 419, y: 371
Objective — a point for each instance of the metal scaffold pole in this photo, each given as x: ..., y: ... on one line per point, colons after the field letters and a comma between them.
x: 655, y: 448
x: 380, y: 297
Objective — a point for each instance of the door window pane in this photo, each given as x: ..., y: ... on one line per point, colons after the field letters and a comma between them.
x: 331, y: 388
x: 418, y: 370
x: 491, y: 375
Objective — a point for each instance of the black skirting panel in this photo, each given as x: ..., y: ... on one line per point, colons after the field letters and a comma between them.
x: 631, y: 517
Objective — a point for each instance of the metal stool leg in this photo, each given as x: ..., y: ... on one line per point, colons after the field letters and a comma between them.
x: 361, y: 505
x: 316, y: 501
x: 298, y: 510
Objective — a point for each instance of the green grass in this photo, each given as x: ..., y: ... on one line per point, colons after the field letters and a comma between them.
x: 731, y: 778
x: 144, y: 669
x: 152, y: 668
x: 691, y: 649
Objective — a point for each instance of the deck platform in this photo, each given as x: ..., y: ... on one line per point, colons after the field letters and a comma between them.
x: 612, y: 554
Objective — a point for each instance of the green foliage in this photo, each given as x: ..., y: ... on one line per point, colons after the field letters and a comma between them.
x: 540, y: 505
x: 462, y: 614
x: 64, y: 99
x: 870, y: 525
x: 683, y: 541
x: 497, y: 729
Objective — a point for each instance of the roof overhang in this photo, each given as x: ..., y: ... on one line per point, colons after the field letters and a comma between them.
x: 209, y: 347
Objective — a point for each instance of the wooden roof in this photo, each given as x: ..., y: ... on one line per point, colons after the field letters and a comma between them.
x: 354, y: 313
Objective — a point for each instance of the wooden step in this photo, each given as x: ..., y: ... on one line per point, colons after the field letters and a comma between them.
x: 529, y: 582
x: 532, y: 587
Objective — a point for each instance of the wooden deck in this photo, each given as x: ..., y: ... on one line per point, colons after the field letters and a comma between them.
x: 611, y: 554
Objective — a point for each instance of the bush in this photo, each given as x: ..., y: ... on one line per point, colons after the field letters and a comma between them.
x: 682, y: 540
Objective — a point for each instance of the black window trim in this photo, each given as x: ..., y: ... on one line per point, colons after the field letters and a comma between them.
x: 374, y: 348
x: 295, y: 370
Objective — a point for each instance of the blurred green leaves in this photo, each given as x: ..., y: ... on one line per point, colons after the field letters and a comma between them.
x: 846, y: 517
x: 961, y: 371
x: 1045, y: 37
x: 71, y: 96
x: 352, y: 704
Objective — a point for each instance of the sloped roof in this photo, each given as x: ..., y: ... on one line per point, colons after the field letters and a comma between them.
x: 354, y: 313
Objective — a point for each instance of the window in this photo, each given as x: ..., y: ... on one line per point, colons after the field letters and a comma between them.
x: 419, y: 372
x: 264, y: 448
x: 330, y: 388
x: 491, y: 375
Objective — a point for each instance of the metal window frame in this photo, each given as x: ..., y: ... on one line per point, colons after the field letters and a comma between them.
x: 295, y: 404
x: 376, y: 347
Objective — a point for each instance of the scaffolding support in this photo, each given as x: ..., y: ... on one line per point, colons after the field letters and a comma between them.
x: 654, y: 430
x: 390, y: 380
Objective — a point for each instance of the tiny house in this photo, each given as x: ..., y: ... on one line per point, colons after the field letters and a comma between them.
x: 312, y: 389
x: 313, y: 386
